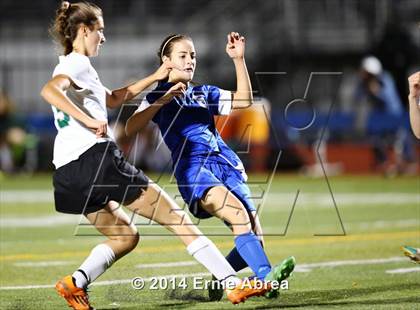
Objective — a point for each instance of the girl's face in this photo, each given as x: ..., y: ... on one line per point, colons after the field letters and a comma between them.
x: 183, y: 55
x: 95, y: 38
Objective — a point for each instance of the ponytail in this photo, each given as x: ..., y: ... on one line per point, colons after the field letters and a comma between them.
x: 68, y: 19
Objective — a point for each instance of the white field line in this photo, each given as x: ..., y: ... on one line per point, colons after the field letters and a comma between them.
x: 301, y: 268
x: 111, y: 282
x: 312, y: 199
x: 168, y: 264
x: 45, y: 264
x: 365, y: 225
x: 381, y: 224
x: 26, y: 196
x: 68, y: 219
x: 403, y: 270
x: 40, y: 221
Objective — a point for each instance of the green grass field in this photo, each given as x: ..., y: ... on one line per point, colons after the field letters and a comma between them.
x: 362, y: 269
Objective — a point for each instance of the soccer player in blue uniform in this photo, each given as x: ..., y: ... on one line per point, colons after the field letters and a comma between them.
x: 210, y: 176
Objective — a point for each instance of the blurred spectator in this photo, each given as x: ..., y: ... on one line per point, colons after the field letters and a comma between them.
x: 382, y: 113
x: 13, y: 137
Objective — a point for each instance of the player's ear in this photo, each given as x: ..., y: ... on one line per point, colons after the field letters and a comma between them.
x: 165, y: 58
x: 83, y: 29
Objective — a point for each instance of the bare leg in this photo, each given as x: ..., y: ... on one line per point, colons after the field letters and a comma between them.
x: 115, y: 224
x: 155, y: 204
x: 121, y: 235
x: 220, y: 202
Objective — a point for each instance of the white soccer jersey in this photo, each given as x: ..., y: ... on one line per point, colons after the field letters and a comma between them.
x: 74, y: 138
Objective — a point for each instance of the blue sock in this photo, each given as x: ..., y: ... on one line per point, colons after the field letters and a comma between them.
x: 251, y: 250
x: 235, y: 260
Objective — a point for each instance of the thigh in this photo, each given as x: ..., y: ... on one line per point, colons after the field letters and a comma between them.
x: 220, y: 202
x: 234, y: 182
x: 112, y: 221
x: 195, y: 179
x: 156, y: 205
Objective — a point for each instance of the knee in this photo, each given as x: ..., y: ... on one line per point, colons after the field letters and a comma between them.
x: 240, y: 222
x: 133, y: 240
x: 129, y: 242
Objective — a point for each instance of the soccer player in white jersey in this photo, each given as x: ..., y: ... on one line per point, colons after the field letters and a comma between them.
x: 414, y: 102
x: 210, y: 176
x: 92, y: 177
x: 414, y: 108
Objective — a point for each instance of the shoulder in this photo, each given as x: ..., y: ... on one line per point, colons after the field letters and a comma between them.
x: 72, y: 63
x: 75, y: 58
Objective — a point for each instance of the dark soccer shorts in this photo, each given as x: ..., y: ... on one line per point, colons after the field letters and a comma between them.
x: 99, y: 175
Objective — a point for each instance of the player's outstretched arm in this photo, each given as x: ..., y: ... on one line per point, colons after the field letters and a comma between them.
x: 413, y: 99
x: 54, y: 93
x: 235, y: 48
x: 140, y: 119
x: 117, y: 97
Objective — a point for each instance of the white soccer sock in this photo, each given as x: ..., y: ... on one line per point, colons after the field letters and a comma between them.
x: 207, y: 254
x: 100, y: 259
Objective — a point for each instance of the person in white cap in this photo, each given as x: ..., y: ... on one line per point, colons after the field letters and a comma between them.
x: 384, y: 123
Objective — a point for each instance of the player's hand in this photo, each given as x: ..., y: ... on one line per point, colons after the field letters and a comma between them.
x: 164, y: 70
x: 178, y: 90
x: 235, y: 46
x: 414, y: 85
x: 99, y: 127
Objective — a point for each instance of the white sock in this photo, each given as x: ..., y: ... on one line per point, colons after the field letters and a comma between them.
x: 207, y: 254
x: 100, y: 259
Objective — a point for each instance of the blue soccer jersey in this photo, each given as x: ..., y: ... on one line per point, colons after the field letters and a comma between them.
x: 187, y: 124
x: 201, y: 158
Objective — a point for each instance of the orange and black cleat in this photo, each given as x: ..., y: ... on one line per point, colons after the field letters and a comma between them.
x: 76, y: 297
x: 246, y: 289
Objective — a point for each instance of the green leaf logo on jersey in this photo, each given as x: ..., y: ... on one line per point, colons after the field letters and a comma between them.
x: 62, y: 118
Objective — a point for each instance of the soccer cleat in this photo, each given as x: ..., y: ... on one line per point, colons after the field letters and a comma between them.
x: 279, y: 273
x: 76, y: 297
x: 412, y: 253
x: 245, y: 290
x: 215, y: 291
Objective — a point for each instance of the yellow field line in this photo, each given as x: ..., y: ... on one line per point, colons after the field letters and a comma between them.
x: 229, y: 244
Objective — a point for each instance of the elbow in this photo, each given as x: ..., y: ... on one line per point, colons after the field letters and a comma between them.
x: 130, y: 128
x: 44, y: 91
x: 416, y: 133
x: 48, y: 90
x: 128, y: 131
x: 111, y: 102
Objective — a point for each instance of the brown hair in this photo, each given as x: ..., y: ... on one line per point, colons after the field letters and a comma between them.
x: 167, y: 45
x: 68, y: 18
